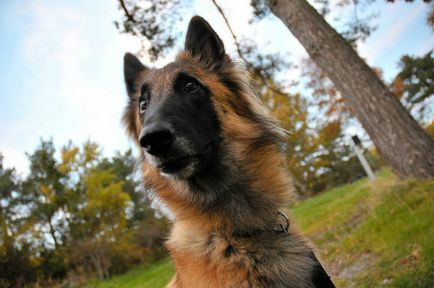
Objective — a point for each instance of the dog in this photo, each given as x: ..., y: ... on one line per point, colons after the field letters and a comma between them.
x: 215, y: 157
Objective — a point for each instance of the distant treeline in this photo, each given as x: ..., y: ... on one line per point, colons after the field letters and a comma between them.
x: 76, y: 215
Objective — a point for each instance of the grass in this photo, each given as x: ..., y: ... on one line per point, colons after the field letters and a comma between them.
x: 368, y: 234
x: 156, y: 275
x: 373, y: 234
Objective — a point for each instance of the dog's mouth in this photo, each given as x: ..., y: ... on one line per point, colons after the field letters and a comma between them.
x: 180, y: 163
x: 171, y: 167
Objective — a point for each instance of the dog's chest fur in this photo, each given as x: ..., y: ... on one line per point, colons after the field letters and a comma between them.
x: 205, y: 258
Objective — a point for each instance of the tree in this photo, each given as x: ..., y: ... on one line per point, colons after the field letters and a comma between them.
x: 75, y: 212
x: 95, y: 210
x: 400, y: 140
x: 147, y: 230
x: 101, y: 221
x: 45, y: 184
x: 414, y: 84
x: 122, y: 165
x: 106, y: 211
x: 317, y: 156
x: 15, y: 260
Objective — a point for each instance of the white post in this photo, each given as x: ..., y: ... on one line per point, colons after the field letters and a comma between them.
x: 356, y: 145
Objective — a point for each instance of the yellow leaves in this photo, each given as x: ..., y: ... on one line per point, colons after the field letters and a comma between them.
x: 90, y: 152
x: 95, y: 191
x: 74, y: 158
x: 398, y: 87
x: 330, y: 132
x: 429, y: 128
x: 105, y: 199
x: 69, y: 158
x: 48, y: 193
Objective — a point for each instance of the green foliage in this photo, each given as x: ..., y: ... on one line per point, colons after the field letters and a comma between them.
x: 414, y: 84
x: 15, y: 262
x: 76, y: 213
x: 9, y: 202
x: 15, y: 266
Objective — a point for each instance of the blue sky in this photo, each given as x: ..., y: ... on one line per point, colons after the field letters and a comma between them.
x: 61, y: 65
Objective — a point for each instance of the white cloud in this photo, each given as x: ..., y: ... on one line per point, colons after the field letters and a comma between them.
x: 377, y: 46
x: 47, y: 24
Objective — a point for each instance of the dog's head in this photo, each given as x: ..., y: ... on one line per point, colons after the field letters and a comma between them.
x: 171, y: 112
x: 184, y: 113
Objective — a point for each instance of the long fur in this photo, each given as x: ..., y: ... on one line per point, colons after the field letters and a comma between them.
x: 223, y: 232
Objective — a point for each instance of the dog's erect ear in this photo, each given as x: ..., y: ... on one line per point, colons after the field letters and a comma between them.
x: 203, y: 42
x: 132, y: 70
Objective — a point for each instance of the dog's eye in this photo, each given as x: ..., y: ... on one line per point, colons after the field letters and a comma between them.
x: 190, y: 85
x: 143, y: 103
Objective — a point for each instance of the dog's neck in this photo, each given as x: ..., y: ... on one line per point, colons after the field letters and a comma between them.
x: 226, y: 197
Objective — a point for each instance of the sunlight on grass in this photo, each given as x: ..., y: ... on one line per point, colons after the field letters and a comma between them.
x: 374, y: 233
x: 156, y: 275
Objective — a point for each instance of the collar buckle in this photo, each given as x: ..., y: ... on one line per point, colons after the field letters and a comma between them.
x: 285, y: 226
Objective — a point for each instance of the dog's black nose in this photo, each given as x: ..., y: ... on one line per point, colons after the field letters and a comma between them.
x: 156, y: 138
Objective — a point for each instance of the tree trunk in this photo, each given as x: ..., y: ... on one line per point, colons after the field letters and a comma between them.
x: 397, y: 136
x: 96, y: 261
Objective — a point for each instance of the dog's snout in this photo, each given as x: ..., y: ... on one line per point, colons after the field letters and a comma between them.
x: 156, y: 138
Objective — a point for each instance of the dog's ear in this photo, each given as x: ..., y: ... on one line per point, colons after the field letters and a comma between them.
x: 203, y: 42
x: 132, y: 70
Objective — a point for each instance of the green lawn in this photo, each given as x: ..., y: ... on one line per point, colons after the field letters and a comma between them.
x: 156, y: 275
x: 369, y: 234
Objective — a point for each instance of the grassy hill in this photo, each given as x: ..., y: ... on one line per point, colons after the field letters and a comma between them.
x: 368, y: 234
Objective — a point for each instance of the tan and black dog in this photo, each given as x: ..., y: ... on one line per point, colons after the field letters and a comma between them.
x: 214, y: 156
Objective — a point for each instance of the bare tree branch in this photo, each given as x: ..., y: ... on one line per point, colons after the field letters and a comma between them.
x: 129, y: 16
x: 237, y: 45
x: 249, y: 64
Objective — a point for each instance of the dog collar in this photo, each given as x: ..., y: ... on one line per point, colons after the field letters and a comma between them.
x: 283, y: 227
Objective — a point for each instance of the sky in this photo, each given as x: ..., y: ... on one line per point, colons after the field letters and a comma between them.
x: 61, y: 64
